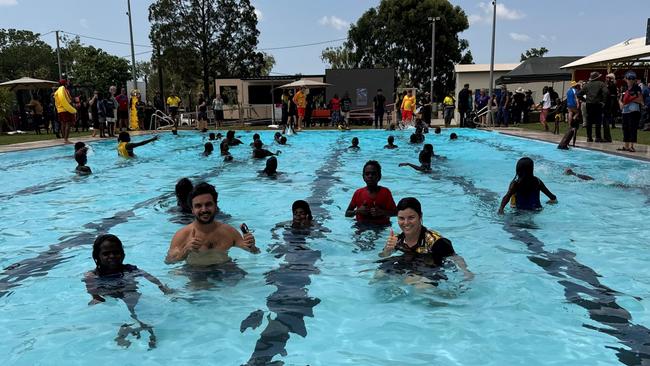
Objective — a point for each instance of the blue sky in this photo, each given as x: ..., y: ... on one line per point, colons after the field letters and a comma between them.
x: 566, y: 28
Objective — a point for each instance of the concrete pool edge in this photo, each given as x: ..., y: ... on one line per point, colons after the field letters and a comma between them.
x: 642, y: 151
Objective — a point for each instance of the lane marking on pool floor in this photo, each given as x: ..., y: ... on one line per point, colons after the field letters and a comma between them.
x: 291, y: 301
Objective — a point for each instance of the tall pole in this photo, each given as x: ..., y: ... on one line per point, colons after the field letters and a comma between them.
x: 433, y: 52
x: 58, y: 54
x: 160, y: 74
x: 494, y: 25
x: 135, y: 83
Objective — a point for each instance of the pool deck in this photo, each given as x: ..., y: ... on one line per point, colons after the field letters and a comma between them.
x: 642, y: 151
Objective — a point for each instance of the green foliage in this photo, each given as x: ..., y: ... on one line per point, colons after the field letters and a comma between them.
x: 269, y: 62
x: 22, y: 53
x: 398, y: 34
x: 7, y: 100
x: 93, y: 68
x: 533, y: 52
x: 338, y: 57
x: 203, y: 39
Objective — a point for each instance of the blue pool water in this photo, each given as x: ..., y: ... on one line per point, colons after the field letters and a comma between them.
x: 566, y: 286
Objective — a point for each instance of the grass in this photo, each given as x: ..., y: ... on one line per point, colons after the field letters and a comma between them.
x: 31, y: 136
x: 643, y: 137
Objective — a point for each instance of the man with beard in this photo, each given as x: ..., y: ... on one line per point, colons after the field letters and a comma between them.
x: 206, y: 241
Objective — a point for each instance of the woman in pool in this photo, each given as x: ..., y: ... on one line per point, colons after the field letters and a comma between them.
x: 425, y: 159
x: 125, y: 146
x: 525, y: 188
x: 182, y: 190
x: 111, y: 277
x: 421, y: 246
x: 271, y: 169
x: 302, y: 217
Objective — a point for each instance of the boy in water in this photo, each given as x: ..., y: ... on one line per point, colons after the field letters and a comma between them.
x: 125, y: 146
x: 80, y: 151
x: 373, y: 203
x: 111, y: 277
x: 259, y: 152
x: 425, y: 159
x: 231, y: 139
x: 355, y: 144
x: 271, y: 169
x: 525, y: 188
x: 417, y: 137
x: 390, y: 145
x: 225, y: 147
x: 207, y: 149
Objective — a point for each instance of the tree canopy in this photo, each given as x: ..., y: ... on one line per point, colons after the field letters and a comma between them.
x: 206, y: 38
x: 22, y: 53
x: 397, y: 34
x: 533, y: 52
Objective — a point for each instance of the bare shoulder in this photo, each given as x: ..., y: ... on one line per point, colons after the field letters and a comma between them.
x: 182, y: 233
x: 228, y: 230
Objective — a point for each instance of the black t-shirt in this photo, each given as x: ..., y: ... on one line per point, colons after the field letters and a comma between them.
x: 463, y: 99
x: 346, y: 104
x: 379, y: 101
x: 202, y: 107
x: 430, y: 244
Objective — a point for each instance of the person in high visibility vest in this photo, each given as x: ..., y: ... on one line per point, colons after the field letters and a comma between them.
x: 64, y: 109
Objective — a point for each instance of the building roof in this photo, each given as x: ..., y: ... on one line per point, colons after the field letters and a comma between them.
x: 632, y: 49
x: 483, y: 67
x: 279, y: 77
x: 539, y: 69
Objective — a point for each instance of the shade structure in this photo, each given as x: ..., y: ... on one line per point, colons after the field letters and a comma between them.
x: 303, y: 82
x: 631, y: 50
x: 544, y: 69
x: 26, y: 83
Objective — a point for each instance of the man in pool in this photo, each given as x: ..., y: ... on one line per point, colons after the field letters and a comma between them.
x: 372, y: 204
x: 206, y: 241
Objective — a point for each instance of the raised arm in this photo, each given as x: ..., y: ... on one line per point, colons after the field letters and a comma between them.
x: 133, y: 145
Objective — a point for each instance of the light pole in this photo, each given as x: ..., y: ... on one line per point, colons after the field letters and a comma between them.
x: 494, y: 25
x: 135, y: 83
x: 433, y: 52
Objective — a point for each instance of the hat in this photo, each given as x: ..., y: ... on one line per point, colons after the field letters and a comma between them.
x: 594, y: 75
x: 63, y: 82
x: 519, y: 90
x: 630, y: 75
x: 611, y: 76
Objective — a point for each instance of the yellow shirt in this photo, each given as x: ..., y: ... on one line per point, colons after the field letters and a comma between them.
x: 408, y: 104
x: 122, y: 151
x: 300, y: 99
x: 173, y: 101
x: 448, y: 101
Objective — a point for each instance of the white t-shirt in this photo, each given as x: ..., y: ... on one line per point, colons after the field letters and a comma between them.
x: 546, y: 101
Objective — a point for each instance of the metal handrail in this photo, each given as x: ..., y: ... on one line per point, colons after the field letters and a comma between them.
x: 158, y: 116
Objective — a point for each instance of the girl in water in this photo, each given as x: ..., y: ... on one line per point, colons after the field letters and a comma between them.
x: 525, y: 188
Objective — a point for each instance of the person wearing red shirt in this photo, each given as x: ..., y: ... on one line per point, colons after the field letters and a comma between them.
x: 372, y: 204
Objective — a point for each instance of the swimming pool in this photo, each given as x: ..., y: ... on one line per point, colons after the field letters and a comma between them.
x: 565, y: 286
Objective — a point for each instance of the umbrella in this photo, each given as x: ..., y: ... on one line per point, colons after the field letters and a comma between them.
x: 26, y: 83
x: 303, y: 82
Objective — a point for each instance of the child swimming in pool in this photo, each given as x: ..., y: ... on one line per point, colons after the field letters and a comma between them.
x: 425, y: 159
x: 355, y: 144
x: 80, y: 151
x: 525, y: 188
x: 111, y: 277
x: 390, y: 145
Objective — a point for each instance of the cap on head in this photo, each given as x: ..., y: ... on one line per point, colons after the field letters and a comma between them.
x: 630, y: 75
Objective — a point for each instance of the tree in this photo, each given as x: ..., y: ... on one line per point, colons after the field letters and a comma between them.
x: 269, y: 62
x: 533, y: 52
x: 92, y: 67
x: 397, y: 34
x: 203, y: 39
x: 337, y: 57
x: 22, y: 53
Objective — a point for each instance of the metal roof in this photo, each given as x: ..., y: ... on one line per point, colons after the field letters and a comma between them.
x: 483, y: 67
x: 630, y: 50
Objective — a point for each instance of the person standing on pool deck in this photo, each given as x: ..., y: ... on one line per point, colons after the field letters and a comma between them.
x: 125, y: 146
x: 525, y: 188
x: 419, y: 242
x: 206, y: 241
x: 65, y: 111
x: 301, y: 102
x: 372, y: 204
x: 173, y: 102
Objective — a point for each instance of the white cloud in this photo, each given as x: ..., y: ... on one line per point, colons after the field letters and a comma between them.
x: 8, y: 2
x: 259, y: 14
x: 334, y: 22
x: 546, y: 38
x: 503, y: 13
x: 519, y: 37
x: 83, y: 22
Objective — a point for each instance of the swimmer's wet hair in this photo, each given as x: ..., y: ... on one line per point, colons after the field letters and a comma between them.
x: 124, y: 137
x: 391, y: 138
x: 208, y: 147
x: 256, y: 136
x: 78, y: 146
x: 427, y: 147
x: 211, y: 136
x: 305, y: 207
x: 374, y: 163
x: 203, y: 188
x: 98, y: 243
x: 410, y: 202
x: 453, y: 136
x: 272, y: 163
x: 183, y: 188
x: 437, y: 130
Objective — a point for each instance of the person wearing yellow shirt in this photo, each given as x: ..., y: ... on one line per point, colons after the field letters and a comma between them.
x: 450, y: 105
x: 301, y: 102
x: 408, y: 106
x: 173, y: 102
x: 65, y: 111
